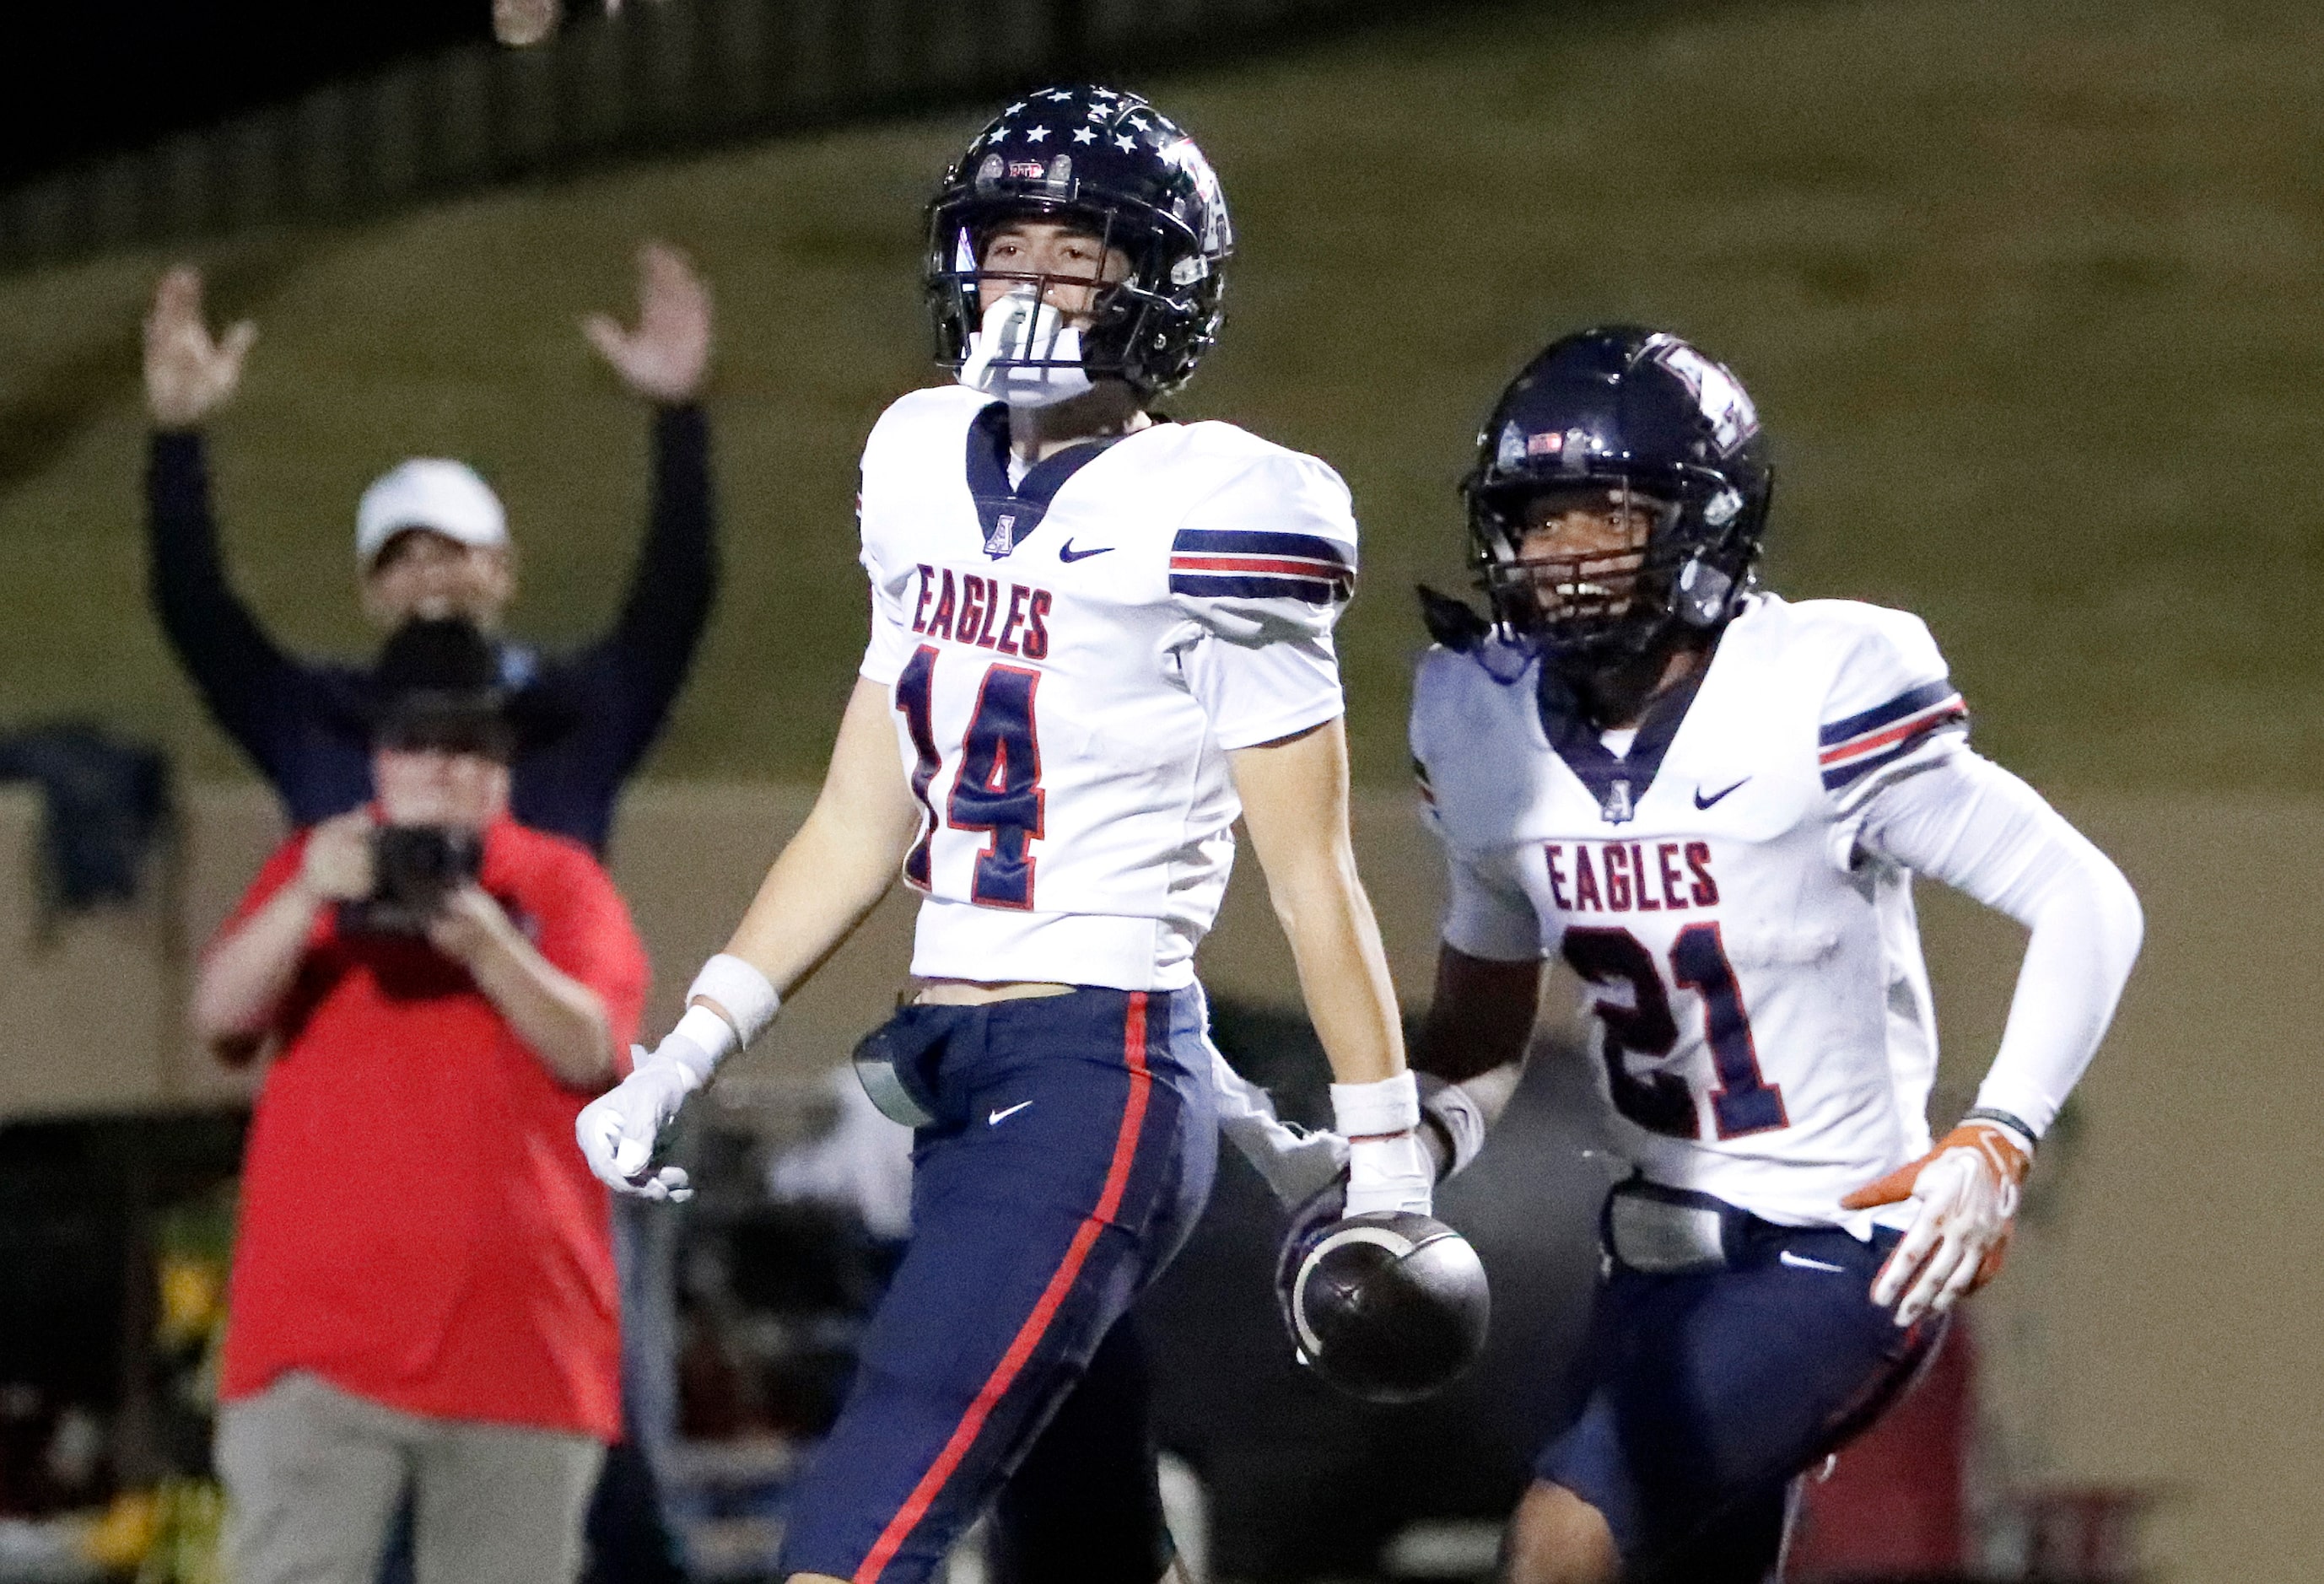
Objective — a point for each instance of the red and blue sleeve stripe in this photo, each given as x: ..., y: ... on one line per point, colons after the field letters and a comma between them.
x: 1249, y: 563
x: 1851, y: 748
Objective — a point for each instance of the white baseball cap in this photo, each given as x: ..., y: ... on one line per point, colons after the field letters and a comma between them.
x: 433, y: 493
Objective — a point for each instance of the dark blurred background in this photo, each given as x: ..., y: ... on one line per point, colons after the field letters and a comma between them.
x: 2031, y: 293
x: 114, y: 74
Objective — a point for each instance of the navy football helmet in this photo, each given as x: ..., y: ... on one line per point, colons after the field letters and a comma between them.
x: 1112, y: 160
x: 1635, y: 420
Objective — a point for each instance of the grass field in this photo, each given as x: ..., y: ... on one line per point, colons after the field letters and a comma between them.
x: 2030, y: 292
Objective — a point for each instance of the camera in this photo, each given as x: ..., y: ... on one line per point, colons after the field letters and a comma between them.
x: 414, y: 868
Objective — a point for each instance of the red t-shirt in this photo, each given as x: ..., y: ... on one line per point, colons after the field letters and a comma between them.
x: 418, y: 1225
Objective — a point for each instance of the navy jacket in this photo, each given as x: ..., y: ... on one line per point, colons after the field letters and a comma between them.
x: 593, y: 713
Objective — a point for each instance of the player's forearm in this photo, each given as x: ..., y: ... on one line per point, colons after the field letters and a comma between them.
x: 1343, y: 973
x: 1981, y: 830
x: 1481, y: 1017
x: 245, y: 975
x: 829, y: 878
x: 1294, y: 802
x: 842, y: 860
x: 2084, y: 939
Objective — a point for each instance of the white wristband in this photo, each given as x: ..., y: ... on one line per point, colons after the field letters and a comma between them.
x: 1371, y: 1110
x: 741, y: 992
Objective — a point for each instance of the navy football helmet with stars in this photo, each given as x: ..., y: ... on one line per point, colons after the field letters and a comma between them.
x: 1620, y: 416
x: 1112, y: 161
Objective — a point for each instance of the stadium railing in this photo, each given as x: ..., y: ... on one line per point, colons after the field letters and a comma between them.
x: 662, y: 76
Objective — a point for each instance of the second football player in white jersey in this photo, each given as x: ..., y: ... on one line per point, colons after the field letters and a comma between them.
x: 1097, y: 636
x: 1709, y: 803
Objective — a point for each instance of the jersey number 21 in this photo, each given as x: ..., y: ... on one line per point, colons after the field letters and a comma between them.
x: 1660, y: 1102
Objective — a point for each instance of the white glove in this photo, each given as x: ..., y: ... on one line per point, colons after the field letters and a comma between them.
x: 1389, y: 1168
x: 1967, y: 1190
x: 1298, y: 1165
x: 621, y: 1128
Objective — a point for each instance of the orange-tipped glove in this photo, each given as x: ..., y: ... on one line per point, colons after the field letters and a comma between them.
x: 1967, y: 1189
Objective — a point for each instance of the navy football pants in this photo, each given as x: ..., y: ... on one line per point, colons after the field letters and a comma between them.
x: 1071, y: 1152
x: 1706, y: 1392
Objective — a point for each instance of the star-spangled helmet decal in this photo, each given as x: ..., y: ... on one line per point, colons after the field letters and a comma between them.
x: 1139, y: 181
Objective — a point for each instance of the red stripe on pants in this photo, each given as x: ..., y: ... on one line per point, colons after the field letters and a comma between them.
x: 1028, y: 1335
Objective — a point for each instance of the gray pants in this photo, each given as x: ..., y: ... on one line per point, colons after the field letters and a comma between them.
x: 313, y: 1475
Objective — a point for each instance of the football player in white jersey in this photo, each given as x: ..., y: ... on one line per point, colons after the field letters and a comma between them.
x: 1097, y: 637
x: 1709, y: 803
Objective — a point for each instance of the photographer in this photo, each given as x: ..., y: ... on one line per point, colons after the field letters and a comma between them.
x: 423, y: 1290
x: 432, y: 540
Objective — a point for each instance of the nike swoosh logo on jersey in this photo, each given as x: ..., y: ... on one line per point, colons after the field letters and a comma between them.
x: 1066, y: 552
x: 1702, y: 802
x: 1796, y: 1261
x: 999, y: 1116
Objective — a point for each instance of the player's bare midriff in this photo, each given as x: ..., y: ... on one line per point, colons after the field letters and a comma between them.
x: 969, y: 992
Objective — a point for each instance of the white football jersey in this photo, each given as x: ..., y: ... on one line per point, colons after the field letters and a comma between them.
x: 1071, y: 657
x: 1762, y: 1025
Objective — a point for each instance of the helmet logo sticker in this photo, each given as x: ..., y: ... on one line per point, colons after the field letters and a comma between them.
x: 1548, y: 445
x: 1718, y: 393
x: 1183, y: 154
x: 1028, y: 170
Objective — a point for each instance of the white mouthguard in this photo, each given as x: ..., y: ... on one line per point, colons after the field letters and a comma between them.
x: 1026, y: 353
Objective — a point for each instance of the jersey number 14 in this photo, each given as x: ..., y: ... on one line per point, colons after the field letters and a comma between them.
x: 1659, y: 1101
x: 997, y: 789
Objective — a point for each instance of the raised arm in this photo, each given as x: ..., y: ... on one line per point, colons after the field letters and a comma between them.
x: 250, y: 687
x: 634, y: 672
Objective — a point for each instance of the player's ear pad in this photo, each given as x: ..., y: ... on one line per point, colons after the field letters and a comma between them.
x: 1388, y: 1306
